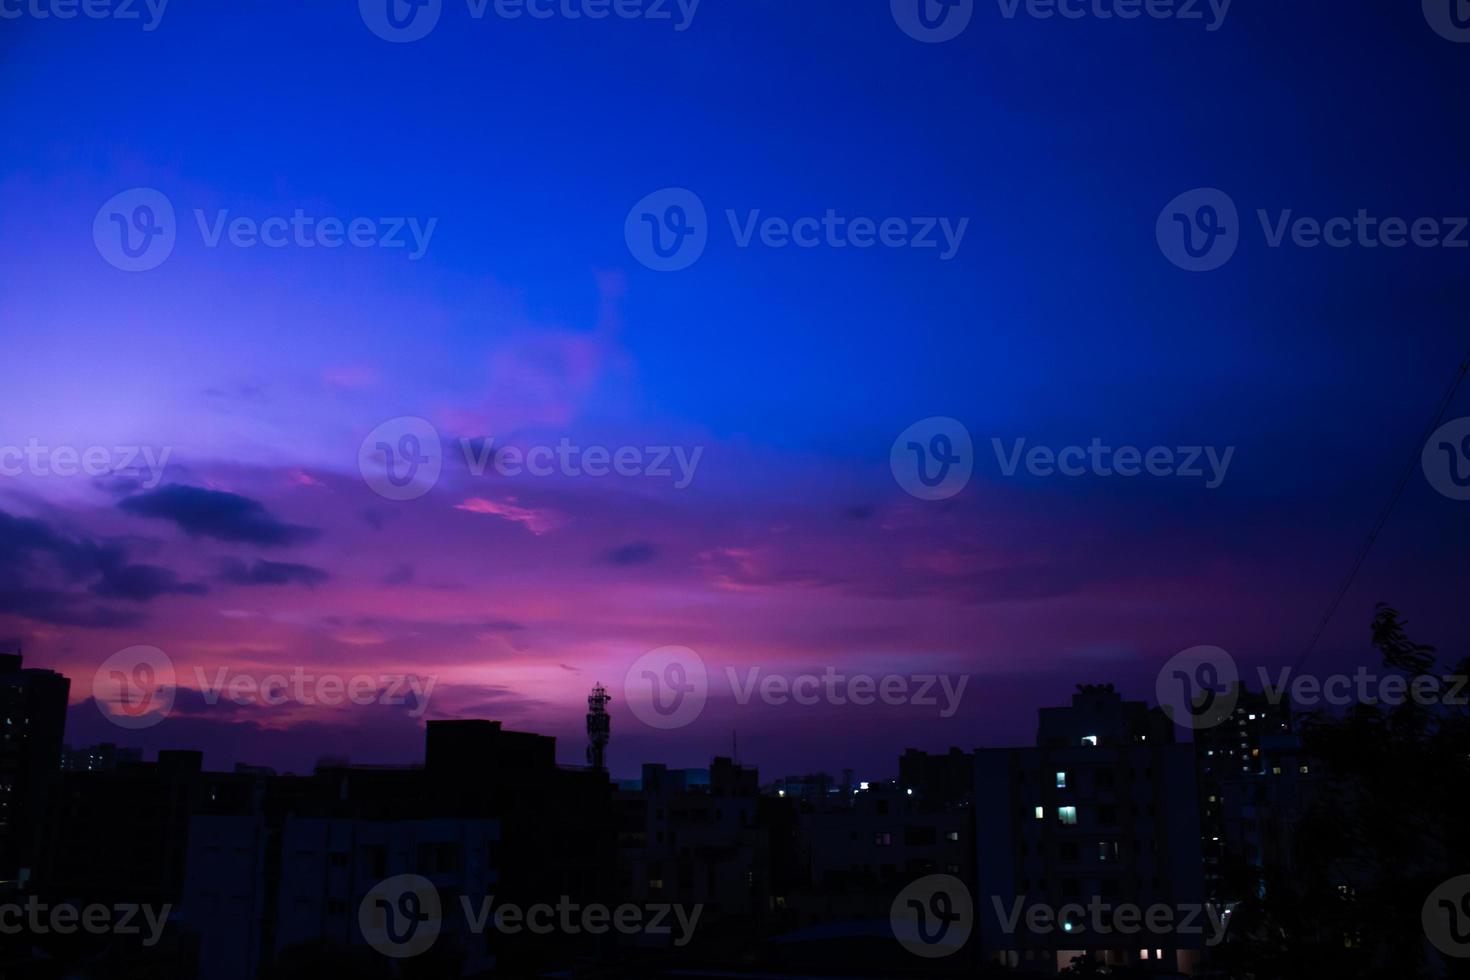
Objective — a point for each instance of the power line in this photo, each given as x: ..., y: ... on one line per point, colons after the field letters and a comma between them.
x: 1383, y: 516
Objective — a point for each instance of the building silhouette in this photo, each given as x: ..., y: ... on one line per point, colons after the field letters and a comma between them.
x: 1102, y: 808
x: 33, y: 716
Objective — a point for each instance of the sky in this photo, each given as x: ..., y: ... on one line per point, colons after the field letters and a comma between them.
x: 238, y: 391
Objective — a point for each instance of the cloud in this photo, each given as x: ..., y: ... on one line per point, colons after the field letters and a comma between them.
x: 536, y: 521
x: 140, y: 583
x: 216, y: 514
x: 261, y: 572
x: 51, y: 577
x: 633, y: 553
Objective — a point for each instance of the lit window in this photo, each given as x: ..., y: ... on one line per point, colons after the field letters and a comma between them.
x: 1089, y: 739
x: 1040, y: 813
x: 1304, y: 770
x: 1067, y: 814
x: 1061, y: 780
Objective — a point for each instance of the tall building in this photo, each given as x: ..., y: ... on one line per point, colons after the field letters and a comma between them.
x: 32, y: 722
x: 1100, y: 814
x: 1254, y: 783
x: 102, y: 757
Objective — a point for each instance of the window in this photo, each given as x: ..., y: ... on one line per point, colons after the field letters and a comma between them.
x: 1067, y: 814
x: 1061, y: 780
x: 919, y: 836
x: 1040, y: 813
x: 1089, y: 740
x: 882, y: 839
x: 953, y: 835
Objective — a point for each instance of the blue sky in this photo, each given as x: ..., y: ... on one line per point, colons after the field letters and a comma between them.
x: 1058, y: 320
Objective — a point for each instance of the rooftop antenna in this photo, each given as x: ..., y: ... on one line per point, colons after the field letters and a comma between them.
x: 599, y: 727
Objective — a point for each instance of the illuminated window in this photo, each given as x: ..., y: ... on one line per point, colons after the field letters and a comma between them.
x: 1061, y: 780
x: 1040, y: 813
x: 1089, y: 739
x: 1067, y: 814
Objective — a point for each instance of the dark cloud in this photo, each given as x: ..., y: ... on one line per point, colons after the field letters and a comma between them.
x: 216, y: 514
x: 140, y: 583
x: 634, y: 553
x: 51, y: 577
x: 262, y: 572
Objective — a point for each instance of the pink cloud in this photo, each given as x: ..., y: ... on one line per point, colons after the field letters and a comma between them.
x: 536, y: 521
